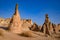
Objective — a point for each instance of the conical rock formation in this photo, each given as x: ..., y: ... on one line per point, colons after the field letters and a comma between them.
x: 34, y: 27
x: 15, y: 23
x: 47, y: 27
x: 18, y: 26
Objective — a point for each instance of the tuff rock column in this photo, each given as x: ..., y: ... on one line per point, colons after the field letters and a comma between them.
x: 47, y: 26
x: 15, y: 23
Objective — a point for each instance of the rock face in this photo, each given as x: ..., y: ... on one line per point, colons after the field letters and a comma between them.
x: 34, y: 27
x: 28, y: 22
x: 25, y: 27
x: 15, y: 23
x: 57, y: 28
x: 47, y: 26
x: 4, y: 22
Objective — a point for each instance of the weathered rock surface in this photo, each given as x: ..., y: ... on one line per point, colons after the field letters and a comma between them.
x: 19, y: 26
x: 34, y: 27
x: 4, y: 22
x: 16, y: 25
x: 47, y: 27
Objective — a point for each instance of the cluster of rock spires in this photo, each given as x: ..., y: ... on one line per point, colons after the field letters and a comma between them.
x: 19, y: 26
x: 47, y: 27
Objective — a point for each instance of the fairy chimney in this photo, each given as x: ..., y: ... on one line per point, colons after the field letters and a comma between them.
x: 47, y: 26
x: 46, y: 18
x: 15, y: 23
x: 45, y: 29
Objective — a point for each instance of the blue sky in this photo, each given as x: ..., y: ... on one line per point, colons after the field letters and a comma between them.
x: 32, y: 9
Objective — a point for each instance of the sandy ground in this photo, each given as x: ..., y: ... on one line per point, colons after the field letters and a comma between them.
x: 4, y: 35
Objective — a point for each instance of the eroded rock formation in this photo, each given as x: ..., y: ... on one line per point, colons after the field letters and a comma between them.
x: 15, y: 23
x: 19, y: 26
x: 26, y: 27
x: 4, y: 22
x: 47, y: 26
x: 34, y: 27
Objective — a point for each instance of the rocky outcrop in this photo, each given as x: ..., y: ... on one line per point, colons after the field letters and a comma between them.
x: 4, y: 22
x: 15, y: 23
x: 47, y: 27
x: 57, y: 28
x: 34, y: 27
x: 26, y: 27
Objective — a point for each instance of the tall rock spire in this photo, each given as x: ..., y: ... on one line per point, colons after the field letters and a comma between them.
x: 15, y: 23
x: 47, y: 19
x: 16, y: 11
x: 47, y: 26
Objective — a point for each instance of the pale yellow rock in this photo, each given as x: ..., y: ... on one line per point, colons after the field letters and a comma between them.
x: 47, y: 27
x: 15, y: 23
